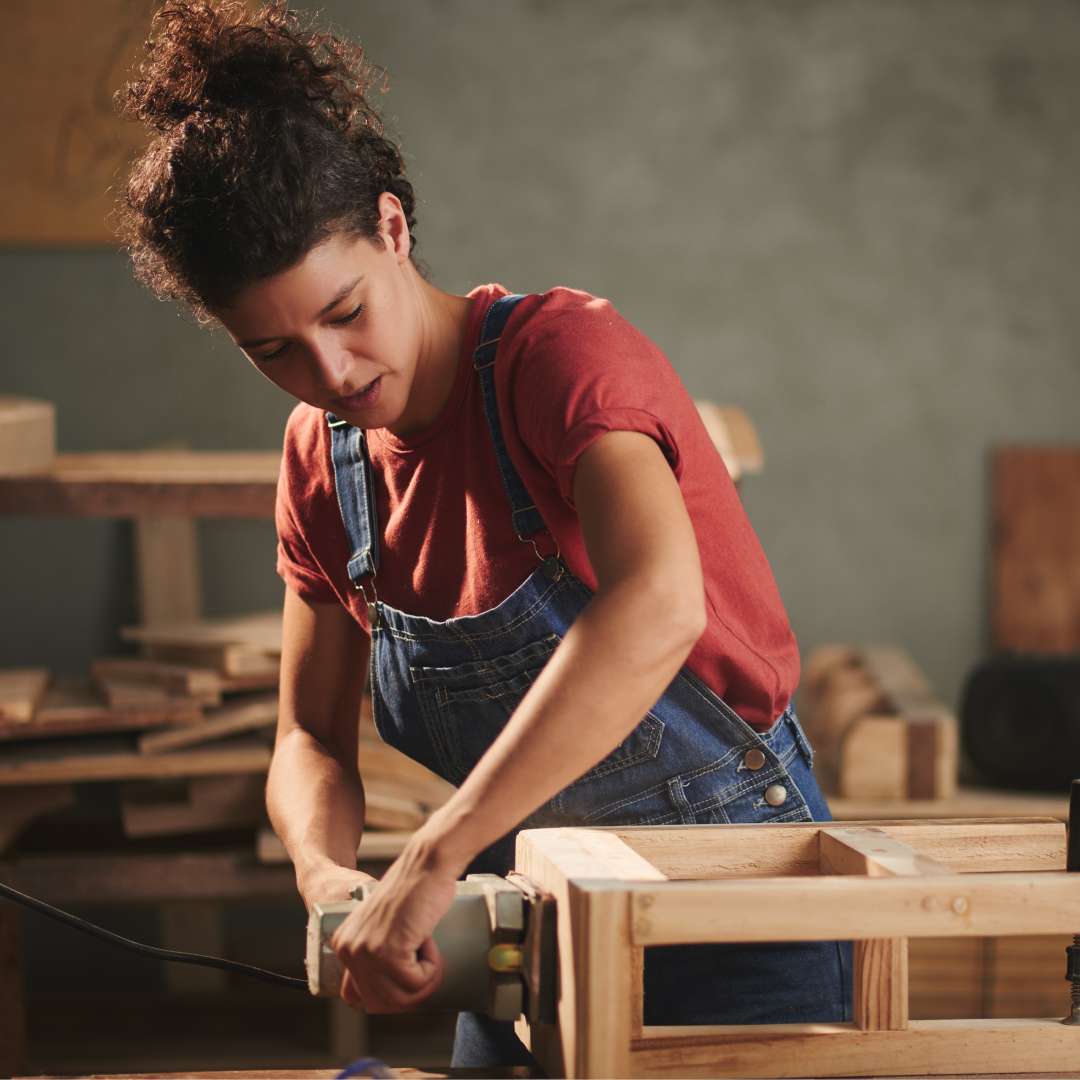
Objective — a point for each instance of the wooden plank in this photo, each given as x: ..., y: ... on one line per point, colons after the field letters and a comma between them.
x: 874, y: 853
x: 250, y: 714
x: 380, y: 764
x: 880, y: 978
x: 960, y: 905
x: 67, y: 149
x: 73, y: 707
x: 549, y: 858
x: 880, y: 984
x: 375, y: 846
x: 1036, y: 548
x: 135, y: 483
x: 603, y: 981
x: 716, y: 852
x: 21, y: 690
x: 175, y: 678
x: 168, y: 580
x: 258, y: 632
x: 48, y: 763
x: 27, y: 435
x: 926, y: 1048
x: 873, y: 759
x: 967, y: 802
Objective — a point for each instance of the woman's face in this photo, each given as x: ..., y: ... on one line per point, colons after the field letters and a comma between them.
x: 339, y: 330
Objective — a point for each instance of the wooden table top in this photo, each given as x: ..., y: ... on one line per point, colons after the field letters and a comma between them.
x: 135, y: 483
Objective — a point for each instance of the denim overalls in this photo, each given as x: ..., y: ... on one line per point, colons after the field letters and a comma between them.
x: 442, y: 691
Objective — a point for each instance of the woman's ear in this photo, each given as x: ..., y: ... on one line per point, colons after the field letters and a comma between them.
x: 393, y: 228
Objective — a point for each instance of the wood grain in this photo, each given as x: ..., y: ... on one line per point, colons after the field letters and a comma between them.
x: 1036, y: 549
x: 149, y: 482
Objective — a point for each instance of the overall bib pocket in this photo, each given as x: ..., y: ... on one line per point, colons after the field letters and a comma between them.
x: 466, y: 706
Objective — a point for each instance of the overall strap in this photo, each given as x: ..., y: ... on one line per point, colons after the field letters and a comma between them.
x: 526, y: 517
x: 356, y: 496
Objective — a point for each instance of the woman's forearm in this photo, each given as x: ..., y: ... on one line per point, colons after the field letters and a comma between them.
x: 613, y: 665
x: 315, y: 804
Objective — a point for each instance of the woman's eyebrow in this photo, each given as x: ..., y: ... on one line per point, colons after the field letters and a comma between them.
x: 339, y: 296
x: 329, y: 306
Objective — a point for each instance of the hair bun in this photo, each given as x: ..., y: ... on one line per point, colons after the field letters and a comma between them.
x: 205, y: 58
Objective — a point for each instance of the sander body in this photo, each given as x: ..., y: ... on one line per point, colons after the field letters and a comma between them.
x: 497, y: 940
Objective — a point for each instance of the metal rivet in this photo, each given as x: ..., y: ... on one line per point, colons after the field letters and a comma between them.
x: 754, y: 759
x: 776, y: 794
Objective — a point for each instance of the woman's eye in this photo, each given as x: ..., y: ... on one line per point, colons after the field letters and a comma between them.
x: 273, y: 355
x: 349, y: 318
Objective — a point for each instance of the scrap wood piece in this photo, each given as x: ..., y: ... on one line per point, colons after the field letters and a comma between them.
x: 249, y: 714
x: 113, y: 758
x: 232, y: 661
x: 879, y: 729
x: 241, y: 645
x: 204, y: 683
x: 378, y: 762
x: 21, y: 690
x: 375, y: 846
x: 73, y: 707
x: 259, y: 632
x: 1036, y: 542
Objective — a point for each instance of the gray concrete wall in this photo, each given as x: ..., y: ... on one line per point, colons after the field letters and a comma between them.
x: 855, y: 218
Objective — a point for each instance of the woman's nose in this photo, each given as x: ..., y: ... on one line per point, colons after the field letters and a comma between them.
x: 332, y: 362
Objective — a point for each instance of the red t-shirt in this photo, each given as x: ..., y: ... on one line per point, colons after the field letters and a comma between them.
x: 569, y: 369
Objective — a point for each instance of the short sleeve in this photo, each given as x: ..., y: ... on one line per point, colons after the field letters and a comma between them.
x: 581, y: 370
x: 296, y: 565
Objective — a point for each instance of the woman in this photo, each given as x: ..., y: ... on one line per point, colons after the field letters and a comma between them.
x: 502, y: 508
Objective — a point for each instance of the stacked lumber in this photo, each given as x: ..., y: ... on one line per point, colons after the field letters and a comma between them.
x: 186, y: 730
x: 876, y: 725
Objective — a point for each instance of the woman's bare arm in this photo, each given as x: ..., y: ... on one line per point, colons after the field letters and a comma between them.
x: 314, y: 795
x: 615, y: 661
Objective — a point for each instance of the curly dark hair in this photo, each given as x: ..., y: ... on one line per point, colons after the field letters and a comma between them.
x: 265, y: 146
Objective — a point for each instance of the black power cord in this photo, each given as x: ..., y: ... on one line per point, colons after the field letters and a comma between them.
x: 150, y: 950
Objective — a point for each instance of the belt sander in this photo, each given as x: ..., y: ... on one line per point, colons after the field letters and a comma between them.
x: 497, y: 939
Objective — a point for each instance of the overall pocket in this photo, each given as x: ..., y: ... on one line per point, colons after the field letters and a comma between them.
x: 466, y: 706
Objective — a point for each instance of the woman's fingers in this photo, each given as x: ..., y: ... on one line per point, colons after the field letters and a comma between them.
x: 380, y: 986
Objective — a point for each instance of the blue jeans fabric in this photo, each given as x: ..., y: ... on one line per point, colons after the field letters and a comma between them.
x: 442, y: 691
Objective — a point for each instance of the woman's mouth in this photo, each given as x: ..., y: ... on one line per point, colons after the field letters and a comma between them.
x: 362, y: 398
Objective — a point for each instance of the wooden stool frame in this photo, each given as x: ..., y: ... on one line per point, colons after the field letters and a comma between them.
x: 876, y: 883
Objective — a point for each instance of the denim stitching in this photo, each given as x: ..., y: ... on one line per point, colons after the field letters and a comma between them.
x: 450, y: 635
x: 482, y: 668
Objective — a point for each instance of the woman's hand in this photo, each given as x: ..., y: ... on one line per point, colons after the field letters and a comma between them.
x: 390, y: 960
x: 329, y: 882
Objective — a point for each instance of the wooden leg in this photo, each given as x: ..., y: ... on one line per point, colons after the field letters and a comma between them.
x: 167, y: 558
x: 881, y: 984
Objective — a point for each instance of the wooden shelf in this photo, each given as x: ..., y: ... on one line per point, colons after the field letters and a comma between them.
x: 141, y: 483
x: 968, y: 802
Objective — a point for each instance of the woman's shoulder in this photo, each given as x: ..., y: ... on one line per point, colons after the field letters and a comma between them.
x: 306, y: 443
